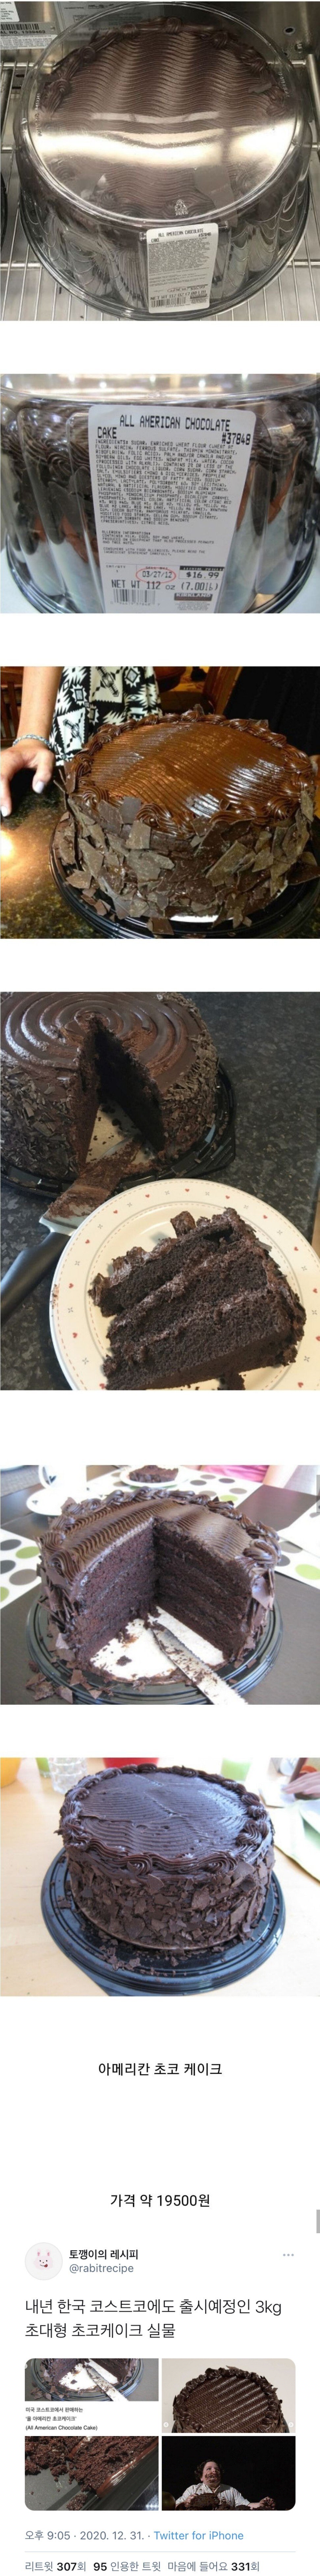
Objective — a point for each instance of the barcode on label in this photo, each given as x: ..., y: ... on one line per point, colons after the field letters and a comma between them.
x: 196, y: 295
x: 131, y: 594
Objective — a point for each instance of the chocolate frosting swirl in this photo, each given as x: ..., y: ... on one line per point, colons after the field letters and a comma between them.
x: 43, y: 1032
x: 192, y: 771
x: 228, y: 2400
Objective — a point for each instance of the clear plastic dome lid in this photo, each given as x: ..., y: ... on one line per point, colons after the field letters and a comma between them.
x: 172, y: 119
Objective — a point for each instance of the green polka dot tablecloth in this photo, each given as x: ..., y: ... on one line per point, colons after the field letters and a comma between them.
x: 20, y: 1564
x: 300, y: 1547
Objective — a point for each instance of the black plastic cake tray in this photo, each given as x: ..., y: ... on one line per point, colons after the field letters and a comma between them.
x: 89, y: 2396
x: 112, y: 1966
x: 242, y: 1677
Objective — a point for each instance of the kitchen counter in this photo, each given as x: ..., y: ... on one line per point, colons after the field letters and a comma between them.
x: 292, y: 1680
x: 270, y: 1046
x: 31, y: 907
x: 31, y: 1962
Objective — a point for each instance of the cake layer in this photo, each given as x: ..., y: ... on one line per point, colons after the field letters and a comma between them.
x: 102, y: 1578
x: 131, y: 1274
x: 96, y: 2465
x: 189, y: 814
x: 207, y: 1300
x: 62, y: 1056
x: 105, y: 1564
x: 226, y: 1600
x: 241, y: 1335
x: 228, y: 2400
x: 173, y: 1861
x: 139, y: 1278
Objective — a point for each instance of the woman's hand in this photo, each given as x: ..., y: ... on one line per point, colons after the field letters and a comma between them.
x: 24, y: 755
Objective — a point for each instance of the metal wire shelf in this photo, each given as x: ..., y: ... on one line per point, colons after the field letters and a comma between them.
x: 30, y: 294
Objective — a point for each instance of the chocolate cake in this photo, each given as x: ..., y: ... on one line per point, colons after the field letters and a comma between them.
x: 170, y: 1861
x: 207, y: 1301
x: 191, y: 815
x: 64, y: 1055
x: 104, y: 1564
x: 70, y: 2378
x: 28, y: 543
x: 44, y: 431
x: 97, y: 2465
x: 228, y: 2400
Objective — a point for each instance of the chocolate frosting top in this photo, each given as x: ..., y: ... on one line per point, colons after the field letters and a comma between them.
x: 227, y: 2396
x: 192, y: 770
x: 82, y: 1534
x: 227, y: 1534
x: 43, y: 1032
x: 178, y: 1817
x: 84, y: 1531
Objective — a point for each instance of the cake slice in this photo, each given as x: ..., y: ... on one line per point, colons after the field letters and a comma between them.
x: 194, y: 815
x: 208, y: 1301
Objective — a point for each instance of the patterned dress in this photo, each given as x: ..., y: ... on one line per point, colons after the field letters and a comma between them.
x: 89, y: 698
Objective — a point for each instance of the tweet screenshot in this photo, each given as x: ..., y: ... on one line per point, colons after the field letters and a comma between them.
x: 160, y: 1955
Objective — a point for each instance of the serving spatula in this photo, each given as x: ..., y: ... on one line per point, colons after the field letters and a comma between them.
x: 57, y: 1224
x: 31, y: 1264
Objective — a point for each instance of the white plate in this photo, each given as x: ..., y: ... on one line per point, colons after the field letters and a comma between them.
x: 141, y: 1215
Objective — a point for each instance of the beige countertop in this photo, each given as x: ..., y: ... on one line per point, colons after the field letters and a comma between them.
x: 31, y: 1962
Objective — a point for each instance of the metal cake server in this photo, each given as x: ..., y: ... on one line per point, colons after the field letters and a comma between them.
x: 32, y: 1262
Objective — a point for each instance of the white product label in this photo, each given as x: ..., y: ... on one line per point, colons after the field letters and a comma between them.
x: 181, y: 263
x: 167, y: 482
